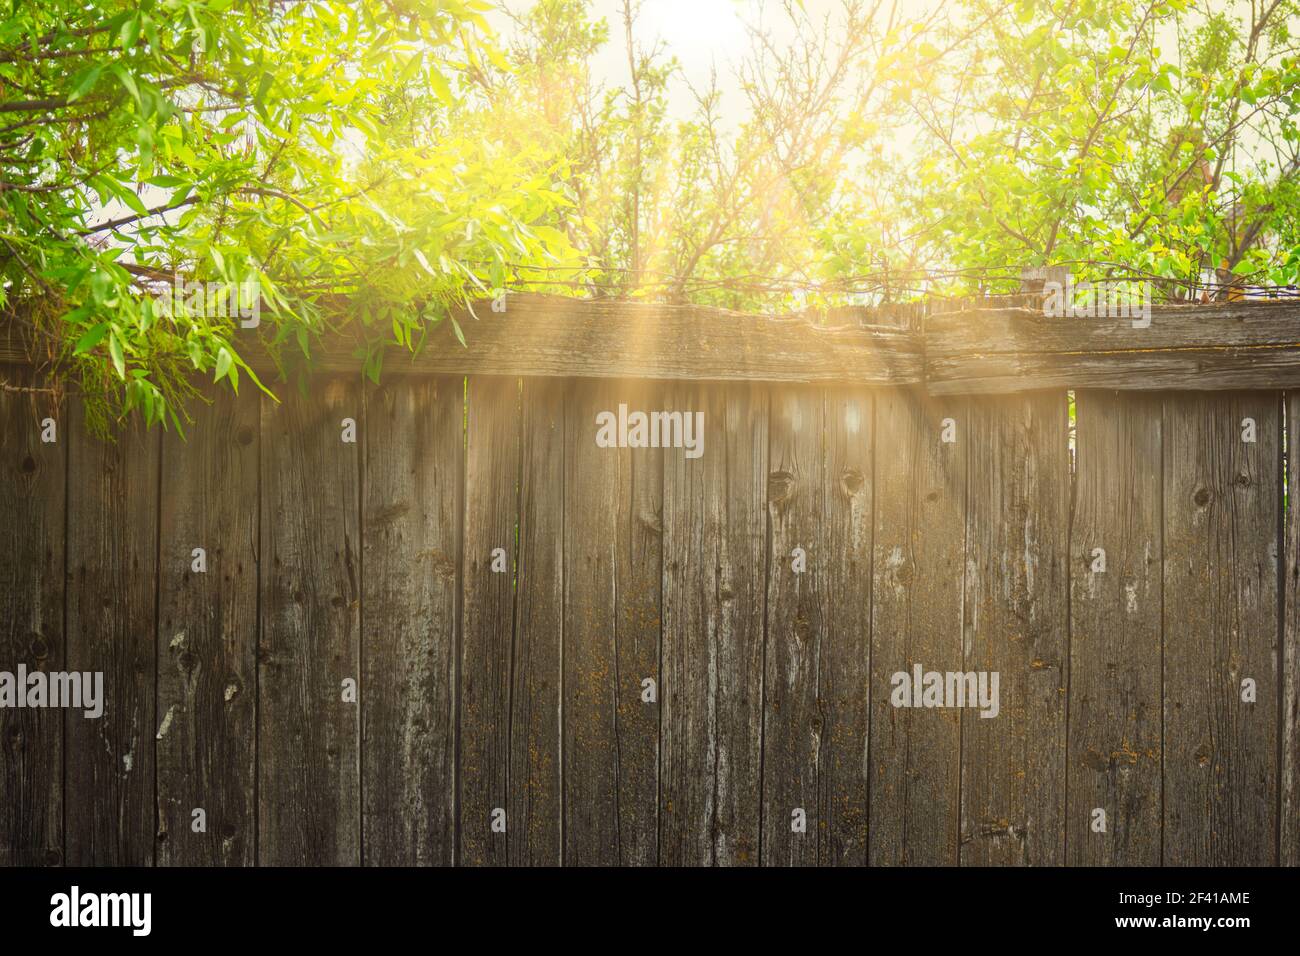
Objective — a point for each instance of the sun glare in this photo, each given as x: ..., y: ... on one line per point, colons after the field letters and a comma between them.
x: 700, y: 33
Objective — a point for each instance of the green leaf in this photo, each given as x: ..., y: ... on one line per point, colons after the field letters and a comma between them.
x: 85, y: 81
x: 91, y: 338
x: 224, y: 363
x: 420, y: 258
x: 440, y: 87
x: 130, y: 32
x: 127, y: 81
x: 115, y: 352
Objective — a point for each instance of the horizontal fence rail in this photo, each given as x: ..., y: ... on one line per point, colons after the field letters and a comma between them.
x: 438, y: 622
x: 968, y: 346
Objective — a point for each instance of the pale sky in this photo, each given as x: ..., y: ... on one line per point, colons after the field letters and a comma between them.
x: 702, y: 34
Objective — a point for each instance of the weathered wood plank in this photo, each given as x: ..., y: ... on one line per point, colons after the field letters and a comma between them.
x: 818, y: 627
x: 207, y: 635
x: 844, y: 675
x: 917, y: 573
x: 1221, y: 627
x: 1231, y: 345
x: 411, y: 522
x: 714, y: 572
x: 797, y: 563
x: 1219, y: 325
x: 535, y: 810
x: 308, y: 755
x: 612, y: 528
x: 1016, y: 615
x: 111, y: 623
x: 490, y: 559
x: 32, y: 535
x: 1114, y: 756
x: 1206, y: 369
x: 544, y: 335
x: 1289, y: 818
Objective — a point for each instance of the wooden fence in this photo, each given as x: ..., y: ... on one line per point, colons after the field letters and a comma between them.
x: 565, y: 653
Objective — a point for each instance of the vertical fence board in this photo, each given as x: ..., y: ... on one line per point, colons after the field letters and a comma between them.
x: 536, y: 786
x: 112, y: 564
x: 1221, y: 627
x: 1289, y: 804
x: 1114, y: 756
x: 844, y: 675
x: 410, y: 524
x: 207, y: 635
x: 32, y: 489
x: 713, y: 592
x: 1016, y: 612
x: 308, y: 754
x: 611, y: 637
x: 918, y: 568
x: 793, y: 718
x: 488, y: 610
x: 639, y: 569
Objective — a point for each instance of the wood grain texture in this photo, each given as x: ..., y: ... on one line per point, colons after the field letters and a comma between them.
x: 411, y: 531
x: 714, y: 567
x: 818, y: 626
x: 639, y: 601
x: 1115, y: 742
x: 33, y: 477
x: 1205, y: 369
x: 109, y: 812
x: 308, y: 764
x: 797, y: 642
x: 488, y: 612
x: 1016, y: 609
x: 535, y: 810
x: 844, y: 674
x: 1219, y: 325
x: 1221, y: 627
x: 918, y: 570
x: 612, y: 532
x: 555, y: 336
x: 1289, y: 798
x: 207, y: 636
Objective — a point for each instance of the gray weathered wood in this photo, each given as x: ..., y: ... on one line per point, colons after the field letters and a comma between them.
x: 917, y: 572
x: 612, y: 529
x: 818, y: 626
x: 488, y: 609
x: 1289, y: 804
x: 1016, y: 609
x: 1221, y: 626
x: 555, y: 336
x: 1219, y: 325
x: 714, y: 572
x: 535, y: 809
x: 207, y: 635
x: 844, y: 676
x: 410, y: 525
x: 1114, y: 755
x: 1203, y: 369
x: 112, y: 562
x: 33, y: 477
x: 797, y: 643
x: 308, y: 754
x: 1230, y: 345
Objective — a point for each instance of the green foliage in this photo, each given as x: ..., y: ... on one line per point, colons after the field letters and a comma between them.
x: 366, y: 165
x: 889, y: 153
x: 323, y: 152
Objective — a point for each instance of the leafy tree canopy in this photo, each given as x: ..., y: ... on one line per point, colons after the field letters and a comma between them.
x: 372, y: 163
x: 322, y: 153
